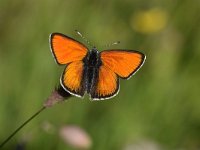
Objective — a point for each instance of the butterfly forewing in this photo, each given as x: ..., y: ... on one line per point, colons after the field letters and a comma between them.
x: 123, y: 62
x: 66, y: 49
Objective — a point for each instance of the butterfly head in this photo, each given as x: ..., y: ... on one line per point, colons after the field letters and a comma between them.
x: 94, y: 50
x: 92, y: 57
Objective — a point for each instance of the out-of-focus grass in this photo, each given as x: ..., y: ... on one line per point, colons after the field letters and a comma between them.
x: 160, y: 103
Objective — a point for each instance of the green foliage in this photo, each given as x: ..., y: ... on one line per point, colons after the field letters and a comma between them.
x: 159, y: 104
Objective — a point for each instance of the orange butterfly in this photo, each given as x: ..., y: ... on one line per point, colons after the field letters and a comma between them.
x: 91, y: 71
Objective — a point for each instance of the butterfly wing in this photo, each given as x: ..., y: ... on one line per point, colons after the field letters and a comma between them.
x: 123, y: 62
x: 106, y: 84
x: 66, y: 49
x: 70, y: 52
x: 72, y: 79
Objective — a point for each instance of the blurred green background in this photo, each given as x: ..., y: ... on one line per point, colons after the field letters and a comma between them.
x: 158, y: 108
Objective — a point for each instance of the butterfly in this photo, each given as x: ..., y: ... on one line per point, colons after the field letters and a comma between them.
x: 90, y: 71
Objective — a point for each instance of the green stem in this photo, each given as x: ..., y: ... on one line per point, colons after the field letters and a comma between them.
x: 20, y: 127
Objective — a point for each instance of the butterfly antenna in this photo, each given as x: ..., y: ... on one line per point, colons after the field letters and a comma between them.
x: 114, y: 43
x: 84, y: 38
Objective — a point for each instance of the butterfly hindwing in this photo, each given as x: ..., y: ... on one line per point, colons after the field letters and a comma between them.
x: 106, y: 84
x: 66, y: 49
x: 123, y: 62
x: 72, y: 78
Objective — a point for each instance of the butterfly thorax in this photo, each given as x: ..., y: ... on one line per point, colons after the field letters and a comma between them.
x: 91, y: 66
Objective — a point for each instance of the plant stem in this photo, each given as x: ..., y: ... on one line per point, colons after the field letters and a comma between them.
x: 57, y: 96
x: 20, y: 127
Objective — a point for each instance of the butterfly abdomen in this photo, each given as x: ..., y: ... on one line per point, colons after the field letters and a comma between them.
x: 91, y: 66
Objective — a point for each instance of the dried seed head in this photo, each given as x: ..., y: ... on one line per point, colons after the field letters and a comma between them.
x: 57, y: 96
